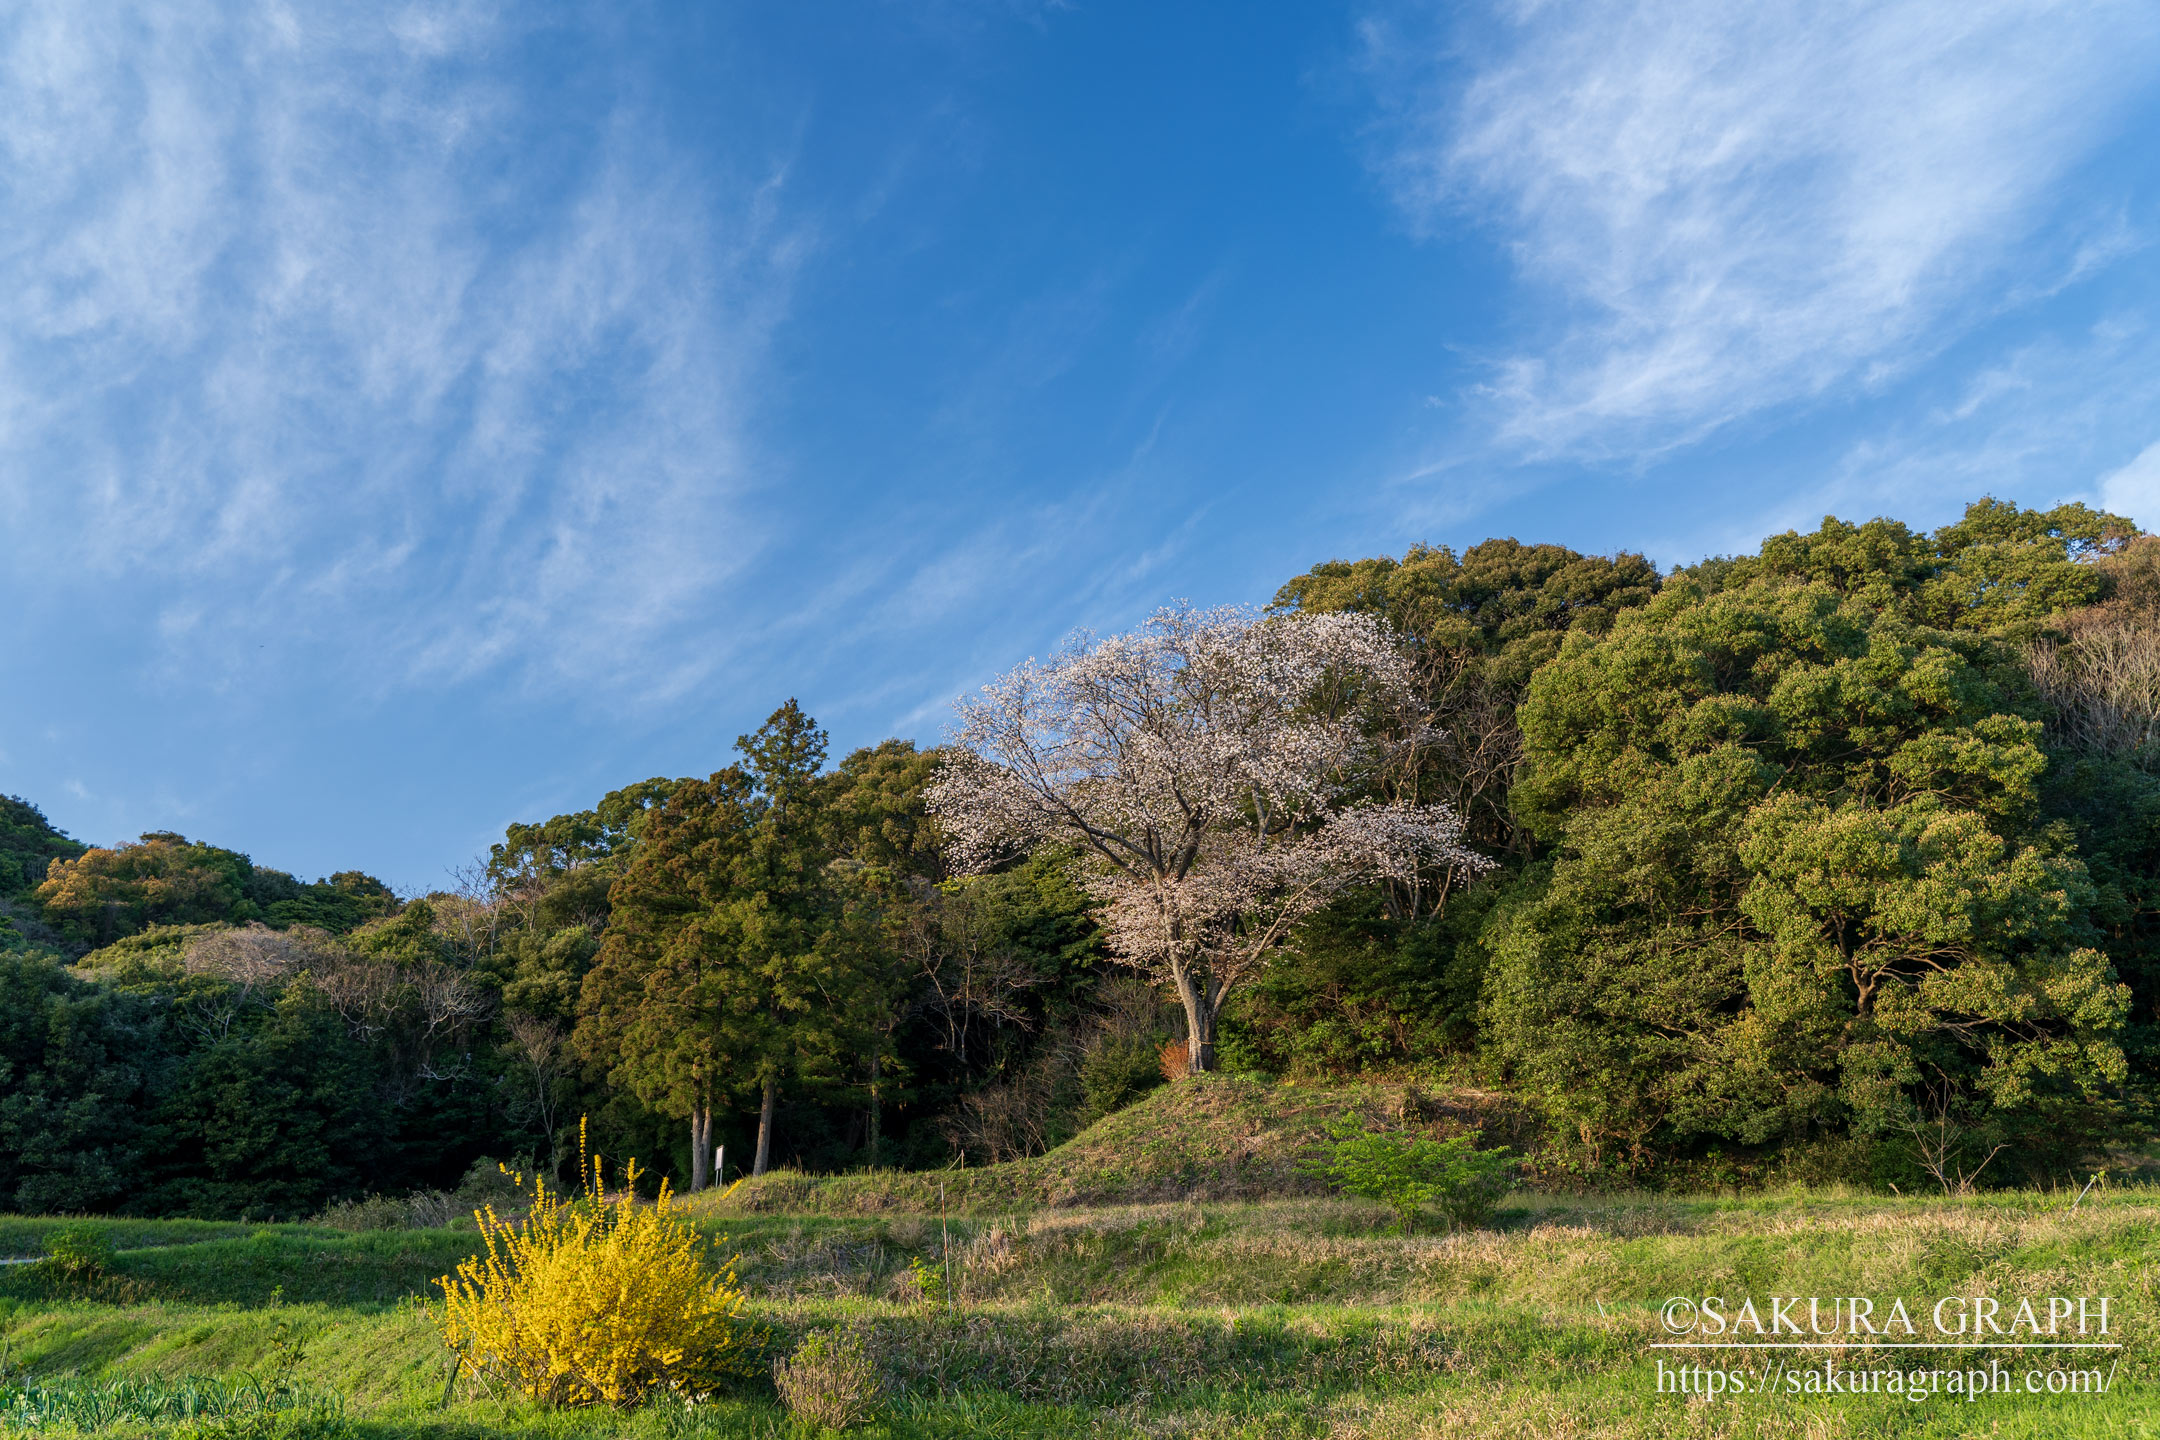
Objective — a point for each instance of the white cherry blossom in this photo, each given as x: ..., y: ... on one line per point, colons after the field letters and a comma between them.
x: 1204, y: 767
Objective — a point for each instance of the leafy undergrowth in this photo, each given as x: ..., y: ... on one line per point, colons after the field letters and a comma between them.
x: 1209, y: 1138
x: 191, y: 1401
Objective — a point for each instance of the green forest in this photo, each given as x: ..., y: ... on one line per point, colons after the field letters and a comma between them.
x: 1838, y: 861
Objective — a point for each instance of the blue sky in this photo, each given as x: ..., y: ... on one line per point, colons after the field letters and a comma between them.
x: 415, y: 418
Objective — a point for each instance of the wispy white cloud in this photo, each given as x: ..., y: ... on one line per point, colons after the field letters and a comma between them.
x: 2134, y: 490
x: 1738, y: 206
x: 2060, y: 416
x: 331, y: 326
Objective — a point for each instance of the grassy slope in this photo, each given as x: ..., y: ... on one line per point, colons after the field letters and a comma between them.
x: 1287, y: 1317
x: 1213, y: 1138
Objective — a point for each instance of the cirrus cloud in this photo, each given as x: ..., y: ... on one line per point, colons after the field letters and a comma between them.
x: 1735, y: 207
x: 345, y: 324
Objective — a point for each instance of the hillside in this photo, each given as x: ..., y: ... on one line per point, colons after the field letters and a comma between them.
x: 1210, y: 1138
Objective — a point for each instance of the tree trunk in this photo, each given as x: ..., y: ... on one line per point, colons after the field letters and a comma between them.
x: 1200, y: 1041
x: 875, y: 1057
x: 701, y: 1125
x: 1200, y: 1011
x: 764, y: 1127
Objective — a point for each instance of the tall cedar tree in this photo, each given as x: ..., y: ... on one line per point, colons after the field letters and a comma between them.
x: 720, y: 973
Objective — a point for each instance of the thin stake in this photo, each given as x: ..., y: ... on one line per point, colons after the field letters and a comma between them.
x: 946, y: 1226
x: 457, y: 1358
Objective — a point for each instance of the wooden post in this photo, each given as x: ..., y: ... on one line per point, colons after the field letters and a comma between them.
x: 946, y: 1226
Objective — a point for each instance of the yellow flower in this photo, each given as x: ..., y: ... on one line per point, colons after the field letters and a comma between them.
x: 597, y: 1299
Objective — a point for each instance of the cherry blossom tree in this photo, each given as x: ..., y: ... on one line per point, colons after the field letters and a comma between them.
x: 1204, y: 770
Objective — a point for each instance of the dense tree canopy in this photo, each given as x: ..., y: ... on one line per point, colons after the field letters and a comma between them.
x: 28, y: 846
x: 725, y: 969
x: 1800, y: 867
x: 167, y: 879
x: 1477, y: 628
x: 1806, y: 856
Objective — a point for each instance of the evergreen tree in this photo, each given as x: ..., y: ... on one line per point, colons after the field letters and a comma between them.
x: 722, y: 971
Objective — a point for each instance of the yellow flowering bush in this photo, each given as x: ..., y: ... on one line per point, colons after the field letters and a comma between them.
x: 596, y: 1299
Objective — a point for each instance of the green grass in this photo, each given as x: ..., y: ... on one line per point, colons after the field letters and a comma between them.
x: 24, y: 1235
x: 1299, y: 1316
x: 259, y: 1265
x: 1215, y: 1137
x: 190, y: 1401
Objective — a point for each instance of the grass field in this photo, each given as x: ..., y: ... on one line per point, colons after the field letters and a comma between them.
x: 1299, y: 1316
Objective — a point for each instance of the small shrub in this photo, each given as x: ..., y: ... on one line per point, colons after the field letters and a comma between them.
x: 77, y: 1255
x: 435, y: 1210
x: 376, y: 1212
x: 601, y: 1299
x: 421, y: 1210
x: 1116, y: 1070
x: 1175, y: 1058
x: 491, y: 1182
x: 1409, y: 1172
x: 921, y: 1283
x: 830, y: 1380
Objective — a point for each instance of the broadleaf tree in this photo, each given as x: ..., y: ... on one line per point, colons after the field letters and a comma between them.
x: 1206, y: 771
x: 1802, y: 880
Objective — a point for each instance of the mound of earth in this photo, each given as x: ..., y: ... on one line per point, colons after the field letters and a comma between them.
x: 1210, y: 1138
